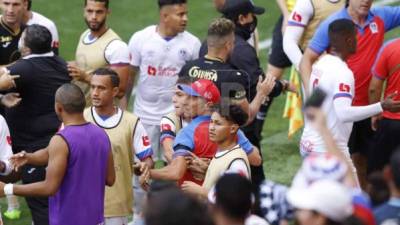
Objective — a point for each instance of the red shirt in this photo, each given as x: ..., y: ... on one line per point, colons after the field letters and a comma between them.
x: 387, y: 67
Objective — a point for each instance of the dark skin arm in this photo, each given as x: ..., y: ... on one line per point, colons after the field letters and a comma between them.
x: 57, y: 165
x: 110, y: 177
x: 375, y: 92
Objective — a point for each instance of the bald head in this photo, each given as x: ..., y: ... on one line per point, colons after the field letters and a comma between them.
x: 71, y: 98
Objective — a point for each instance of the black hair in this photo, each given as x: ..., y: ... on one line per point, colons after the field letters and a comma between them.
x: 175, y: 208
x: 71, y: 97
x: 106, y: 2
x: 162, y: 3
x: 395, y: 167
x: 377, y: 188
x: 29, y: 5
x: 185, y: 80
x: 233, y: 196
x: 341, y: 28
x: 38, y: 39
x: 108, y: 72
x: 232, y: 113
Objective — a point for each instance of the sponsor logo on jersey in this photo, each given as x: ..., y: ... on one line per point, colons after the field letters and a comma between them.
x: 8, y: 140
x: 198, y: 73
x: 344, y: 87
x: 296, y: 17
x: 5, y: 45
x: 166, y: 127
x: 162, y: 71
x: 373, y: 27
x: 145, y: 141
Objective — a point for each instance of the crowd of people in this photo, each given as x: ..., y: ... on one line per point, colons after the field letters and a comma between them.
x: 71, y: 145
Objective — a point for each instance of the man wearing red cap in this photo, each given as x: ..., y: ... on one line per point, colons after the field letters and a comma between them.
x: 193, y: 139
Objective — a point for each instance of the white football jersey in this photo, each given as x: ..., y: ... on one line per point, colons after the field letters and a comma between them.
x: 50, y: 25
x: 5, y: 146
x: 332, y: 75
x: 159, y: 61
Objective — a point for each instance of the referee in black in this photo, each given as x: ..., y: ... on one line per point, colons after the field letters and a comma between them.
x: 33, y: 122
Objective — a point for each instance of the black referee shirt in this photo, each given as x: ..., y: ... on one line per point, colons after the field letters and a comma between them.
x: 33, y: 122
x: 9, y: 43
x: 231, y: 83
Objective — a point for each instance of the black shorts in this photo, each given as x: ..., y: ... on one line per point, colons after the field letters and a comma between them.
x: 277, y: 56
x: 386, y: 141
x: 39, y: 206
x: 361, y: 137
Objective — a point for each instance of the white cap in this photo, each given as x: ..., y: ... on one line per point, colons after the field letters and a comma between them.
x: 330, y: 198
x: 320, y: 166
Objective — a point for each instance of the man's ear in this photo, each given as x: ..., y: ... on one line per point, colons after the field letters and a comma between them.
x: 115, y: 91
x: 234, y: 128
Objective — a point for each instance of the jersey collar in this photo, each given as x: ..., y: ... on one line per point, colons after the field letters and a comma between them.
x: 370, y: 17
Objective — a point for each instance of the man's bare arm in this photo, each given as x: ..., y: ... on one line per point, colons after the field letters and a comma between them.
x: 173, y: 171
x: 57, y: 165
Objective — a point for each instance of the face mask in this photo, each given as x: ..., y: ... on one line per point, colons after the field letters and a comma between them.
x: 251, y: 27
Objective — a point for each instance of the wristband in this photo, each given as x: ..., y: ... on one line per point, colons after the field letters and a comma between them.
x: 9, y: 189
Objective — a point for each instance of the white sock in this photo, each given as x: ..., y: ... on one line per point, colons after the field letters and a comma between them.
x: 12, y: 202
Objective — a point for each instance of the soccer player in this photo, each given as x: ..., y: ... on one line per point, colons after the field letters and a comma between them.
x: 11, y: 28
x: 31, y: 17
x: 158, y: 54
x: 332, y: 75
x: 79, y: 165
x: 371, y: 27
x: 99, y: 46
x: 302, y: 23
x: 224, y: 125
x: 127, y: 137
x: 386, y: 68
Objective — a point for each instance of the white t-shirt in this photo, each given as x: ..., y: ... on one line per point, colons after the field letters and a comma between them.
x: 116, y: 52
x: 332, y: 75
x: 5, y: 146
x: 159, y: 61
x: 141, y: 141
x: 46, y: 22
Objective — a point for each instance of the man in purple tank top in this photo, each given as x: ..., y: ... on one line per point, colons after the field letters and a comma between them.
x: 79, y: 165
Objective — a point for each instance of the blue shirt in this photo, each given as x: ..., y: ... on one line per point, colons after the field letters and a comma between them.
x: 388, y: 211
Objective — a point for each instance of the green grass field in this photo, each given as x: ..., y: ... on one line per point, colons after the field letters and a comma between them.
x: 281, y: 158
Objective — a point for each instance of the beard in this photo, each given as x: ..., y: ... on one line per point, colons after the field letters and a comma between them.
x: 97, y: 27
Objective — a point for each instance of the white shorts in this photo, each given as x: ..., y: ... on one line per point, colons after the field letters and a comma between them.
x: 123, y: 220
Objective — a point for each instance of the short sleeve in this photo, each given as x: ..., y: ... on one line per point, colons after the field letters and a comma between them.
x: 389, y: 14
x: 184, y: 143
x: 244, y: 142
x: 380, y: 69
x: 320, y: 42
x: 134, y: 50
x: 167, y: 128
x: 117, y: 53
x: 141, y: 142
x: 301, y: 14
x: 5, y: 146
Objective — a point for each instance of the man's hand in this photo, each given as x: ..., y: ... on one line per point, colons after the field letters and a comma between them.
x: 391, y: 105
x: 193, y: 188
x: 7, y: 81
x: 198, y: 166
x: 374, y: 122
x: 287, y: 86
x: 11, y: 99
x: 77, y: 73
x: 265, y: 86
x: 18, y: 160
x: 142, y: 170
